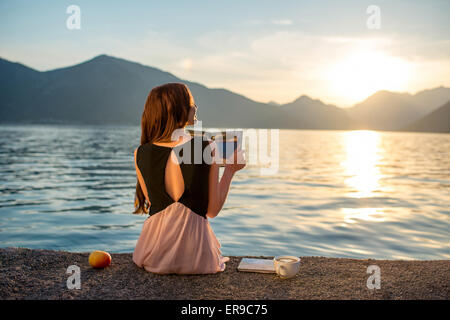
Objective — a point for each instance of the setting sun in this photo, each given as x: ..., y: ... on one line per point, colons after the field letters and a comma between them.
x: 363, y: 73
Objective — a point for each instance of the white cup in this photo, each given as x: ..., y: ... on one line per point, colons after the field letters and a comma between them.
x: 286, y: 266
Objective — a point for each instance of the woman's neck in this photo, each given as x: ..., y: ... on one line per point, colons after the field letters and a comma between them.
x: 184, y: 135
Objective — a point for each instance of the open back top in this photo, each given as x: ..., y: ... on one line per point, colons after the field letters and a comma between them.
x: 152, y: 162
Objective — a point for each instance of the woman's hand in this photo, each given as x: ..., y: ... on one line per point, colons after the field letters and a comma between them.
x: 238, y: 161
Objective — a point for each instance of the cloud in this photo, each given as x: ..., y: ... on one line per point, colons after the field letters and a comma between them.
x: 263, y: 64
x: 282, y: 65
x: 283, y: 22
x: 186, y: 63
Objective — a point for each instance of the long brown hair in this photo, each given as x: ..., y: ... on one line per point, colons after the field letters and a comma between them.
x: 166, y: 109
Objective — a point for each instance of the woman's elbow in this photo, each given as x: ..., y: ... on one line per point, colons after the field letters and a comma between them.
x: 212, y: 214
x: 213, y: 208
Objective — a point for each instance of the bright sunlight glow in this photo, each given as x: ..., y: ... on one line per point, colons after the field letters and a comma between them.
x: 361, y: 162
x: 363, y: 73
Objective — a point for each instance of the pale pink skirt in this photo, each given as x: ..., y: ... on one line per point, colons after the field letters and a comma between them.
x: 177, y: 240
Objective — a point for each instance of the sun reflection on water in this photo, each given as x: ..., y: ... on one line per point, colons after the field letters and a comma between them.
x: 351, y: 215
x: 362, y: 173
x: 362, y: 157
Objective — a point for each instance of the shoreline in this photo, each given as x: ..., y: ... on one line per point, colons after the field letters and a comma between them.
x: 41, y: 274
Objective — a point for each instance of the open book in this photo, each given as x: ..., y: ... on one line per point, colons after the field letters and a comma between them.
x: 256, y: 265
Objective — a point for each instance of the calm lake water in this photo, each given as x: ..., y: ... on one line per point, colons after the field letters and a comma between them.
x: 360, y: 194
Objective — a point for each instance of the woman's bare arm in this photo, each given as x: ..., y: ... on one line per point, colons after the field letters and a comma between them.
x: 218, y: 191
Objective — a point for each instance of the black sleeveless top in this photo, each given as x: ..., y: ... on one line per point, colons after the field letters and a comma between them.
x: 151, y: 160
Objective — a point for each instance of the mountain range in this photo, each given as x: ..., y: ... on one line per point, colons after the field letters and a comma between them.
x: 436, y: 121
x: 110, y: 90
x: 387, y: 110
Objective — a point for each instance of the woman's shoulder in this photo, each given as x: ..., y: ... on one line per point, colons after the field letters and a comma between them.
x: 136, y: 151
x: 141, y: 151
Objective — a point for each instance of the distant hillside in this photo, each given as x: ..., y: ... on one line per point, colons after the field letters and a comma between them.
x: 314, y: 114
x: 387, y: 110
x: 436, y: 121
x: 111, y: 90
x: 431, y: 99
x: 18, y: 87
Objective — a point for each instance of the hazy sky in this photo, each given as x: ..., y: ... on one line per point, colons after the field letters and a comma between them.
x: 265, y: 50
